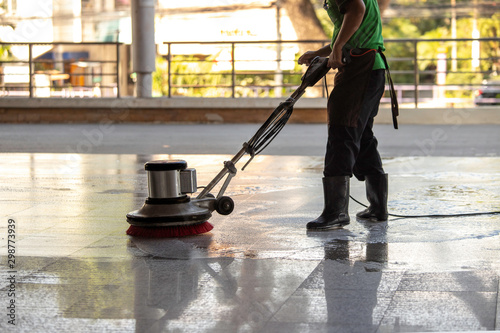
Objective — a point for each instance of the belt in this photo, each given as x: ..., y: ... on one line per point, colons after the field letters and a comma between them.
x: 392, y: 91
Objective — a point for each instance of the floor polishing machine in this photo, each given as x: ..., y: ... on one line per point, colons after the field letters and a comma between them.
x: 170, y: 211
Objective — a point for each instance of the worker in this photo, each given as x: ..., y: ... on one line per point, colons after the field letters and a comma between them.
x: 359, y: 84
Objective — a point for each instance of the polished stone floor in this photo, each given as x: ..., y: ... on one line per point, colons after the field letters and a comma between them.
x: 72, y: 268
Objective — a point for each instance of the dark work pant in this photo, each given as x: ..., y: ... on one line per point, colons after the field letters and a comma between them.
x: 353, y: 150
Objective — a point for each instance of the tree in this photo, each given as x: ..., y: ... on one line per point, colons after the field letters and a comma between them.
x: 383, y: 4
x: 305, y: 22
x: 304, y: 19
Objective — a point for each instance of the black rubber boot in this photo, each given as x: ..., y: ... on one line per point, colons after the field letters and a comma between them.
x: 376, y: 193
x: 335, y: 214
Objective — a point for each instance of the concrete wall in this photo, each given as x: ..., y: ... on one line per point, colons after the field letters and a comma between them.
x: 211, y: 110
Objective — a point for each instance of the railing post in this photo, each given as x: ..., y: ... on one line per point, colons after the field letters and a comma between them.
x: 233, y: 72
x: 30, y: 68
x: 117, y: 70
x: 416, y: 71
x: 169, y: 69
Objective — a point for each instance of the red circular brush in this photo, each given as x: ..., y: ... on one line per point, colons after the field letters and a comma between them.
x: 168, y: 232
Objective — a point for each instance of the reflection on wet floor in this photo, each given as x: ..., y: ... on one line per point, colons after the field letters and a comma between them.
x: 258, y: 270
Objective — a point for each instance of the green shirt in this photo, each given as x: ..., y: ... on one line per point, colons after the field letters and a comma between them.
x: 368, y: 35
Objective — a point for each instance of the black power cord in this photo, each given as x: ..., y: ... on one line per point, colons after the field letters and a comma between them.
x: 432, y: 215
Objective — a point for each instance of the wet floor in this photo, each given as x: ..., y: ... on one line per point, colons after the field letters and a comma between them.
x: 73, y: 268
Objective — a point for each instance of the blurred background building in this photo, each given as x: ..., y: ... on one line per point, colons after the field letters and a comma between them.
x: 70, y: 59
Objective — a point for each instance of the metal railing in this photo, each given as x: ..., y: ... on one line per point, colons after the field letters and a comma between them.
x: 446, y: 79
x: 60, y: 70
x: 234, y: 68
x: 422, y: 75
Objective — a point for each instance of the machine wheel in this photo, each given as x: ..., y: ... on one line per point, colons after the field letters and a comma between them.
x: 224, y: 205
